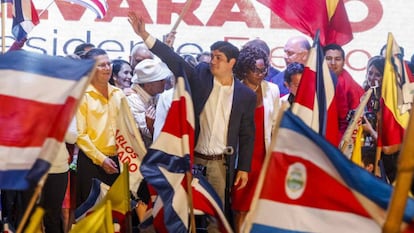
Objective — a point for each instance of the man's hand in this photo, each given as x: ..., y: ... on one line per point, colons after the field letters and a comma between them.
x: 109, y: 166
x: 169, y: 39
x: 242, y: 178
x: 150, y: 118
x: 138, y: 25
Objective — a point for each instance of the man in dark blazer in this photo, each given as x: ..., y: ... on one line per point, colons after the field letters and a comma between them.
x: 223, y: 109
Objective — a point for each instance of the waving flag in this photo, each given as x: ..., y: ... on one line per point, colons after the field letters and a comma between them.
x: 394, y: 115
x: 168, y: 160
x: 315, y: 100
x: 37, y: 103
x: 207, y: 202
x: 24, y: 18
x: 310, y: 186
x: 118, y: 195
x: 100, y: 221
x: 99, y: 7
x: 129, y: 145
x: 329, y: 16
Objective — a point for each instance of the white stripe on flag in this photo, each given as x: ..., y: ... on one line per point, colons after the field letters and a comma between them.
x: 21, y: 85
x: 312, y: 219
x: 25, y: 160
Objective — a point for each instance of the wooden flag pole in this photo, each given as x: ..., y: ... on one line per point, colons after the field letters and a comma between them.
x: 403, y: 182
x: 180, y: 17
x: 31, y: 203
x: 3, y: 26
x: 189, y: 178
x: 248, y: 222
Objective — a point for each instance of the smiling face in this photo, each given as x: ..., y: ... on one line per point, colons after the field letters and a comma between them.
x: 123, y: 78
x: 374, y: 77
x: 103, y: 70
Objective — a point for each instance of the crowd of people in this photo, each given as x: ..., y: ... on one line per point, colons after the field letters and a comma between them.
x: 236, y: 95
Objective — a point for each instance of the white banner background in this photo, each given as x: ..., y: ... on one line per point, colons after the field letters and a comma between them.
x: 63, y: 27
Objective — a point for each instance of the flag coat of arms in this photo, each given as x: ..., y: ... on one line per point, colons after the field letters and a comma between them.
x: 38, y: 98
x: 328, y: 16
x: 310, y: 186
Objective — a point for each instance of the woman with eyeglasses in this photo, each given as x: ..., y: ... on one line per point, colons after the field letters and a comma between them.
x: 96, y: 121
x: 251, y: 68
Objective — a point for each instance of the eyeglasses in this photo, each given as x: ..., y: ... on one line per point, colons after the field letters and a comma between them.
x: 104, y: 65
x: 259, y: 71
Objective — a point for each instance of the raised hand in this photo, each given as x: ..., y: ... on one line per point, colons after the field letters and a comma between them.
x: 138, y: 25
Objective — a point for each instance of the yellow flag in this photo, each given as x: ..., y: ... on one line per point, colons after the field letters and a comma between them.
x: 35, y: 224
x: 356, y: 153
x: 99, y: 221
x: 118, y: 194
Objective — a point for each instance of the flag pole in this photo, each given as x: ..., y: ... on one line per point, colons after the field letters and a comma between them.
x: 31, y: 203
x: 180, y: 17
x: 3, y: 26
x: 248, y: 222
x: 189, y: 178
x: 403, y: 182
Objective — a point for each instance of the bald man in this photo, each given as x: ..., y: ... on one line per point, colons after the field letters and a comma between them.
x: 296, y: 50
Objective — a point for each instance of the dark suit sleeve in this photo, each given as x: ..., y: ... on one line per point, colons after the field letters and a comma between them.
x: 247, y: 134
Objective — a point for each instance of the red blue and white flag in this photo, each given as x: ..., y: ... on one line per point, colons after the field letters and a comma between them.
x: 168, y: 159
x: 310, y: 186
x: 315, y: 101
x: 99, y: 7
x: 25, y: 17
x: 38, y: 98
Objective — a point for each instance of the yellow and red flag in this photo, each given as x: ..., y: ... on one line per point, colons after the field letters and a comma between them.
x: 329, y: 16
x: 394, y: 119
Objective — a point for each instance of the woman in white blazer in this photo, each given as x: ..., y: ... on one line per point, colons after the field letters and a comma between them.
x: 251, y: 68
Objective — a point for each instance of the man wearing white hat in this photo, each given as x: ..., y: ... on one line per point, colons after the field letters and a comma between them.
x: 148, y: 81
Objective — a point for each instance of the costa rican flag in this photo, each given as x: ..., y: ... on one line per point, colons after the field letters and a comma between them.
x: 99, y: 7
x: 167, y: 161
x: 38, y: 98
x: 315, y: 101
x: 310, y: 186
x: 25, y: 17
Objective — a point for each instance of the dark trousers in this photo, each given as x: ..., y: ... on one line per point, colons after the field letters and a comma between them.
x: 86, y: 171
x: 51, y: 200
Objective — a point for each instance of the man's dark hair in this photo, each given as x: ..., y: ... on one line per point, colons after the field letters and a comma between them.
x: 91, y: 54
x: 291, y: 69
x: 334, y: 47
x: 227, y: 48
x: 80, y: 49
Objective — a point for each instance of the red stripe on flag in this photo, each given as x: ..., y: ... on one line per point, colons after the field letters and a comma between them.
x: 393, y: 132
x: 307, y: 98
x: 321, y: 190
x: 45, y: 121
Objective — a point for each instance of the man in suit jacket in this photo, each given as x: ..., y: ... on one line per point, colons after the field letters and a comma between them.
x: 223, y: 108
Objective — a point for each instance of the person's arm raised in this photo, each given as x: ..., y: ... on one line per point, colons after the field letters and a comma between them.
x: 138, y: 24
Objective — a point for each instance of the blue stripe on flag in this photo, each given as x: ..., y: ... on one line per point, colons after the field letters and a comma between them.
x: 91, y: 201
x: 59, y: 67
x: 259, y: 228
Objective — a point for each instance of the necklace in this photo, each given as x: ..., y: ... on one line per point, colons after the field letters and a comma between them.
x: 257, y: 87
